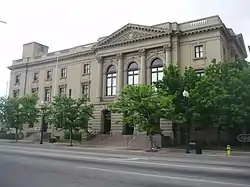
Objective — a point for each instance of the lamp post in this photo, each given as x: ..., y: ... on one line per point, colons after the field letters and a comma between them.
x: 185, y: 104
x: 43, y: 108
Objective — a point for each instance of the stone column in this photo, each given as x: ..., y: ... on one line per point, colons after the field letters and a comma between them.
x: 119, y: 58
x: 142, y: 54
x: 168, y: 56
x: 100, y: 79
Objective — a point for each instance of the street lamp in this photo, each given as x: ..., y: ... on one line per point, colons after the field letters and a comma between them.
x: 185, y: 104
x: 42, y: 120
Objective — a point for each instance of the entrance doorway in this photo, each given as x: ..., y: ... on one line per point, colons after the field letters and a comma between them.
x: 106, y: 121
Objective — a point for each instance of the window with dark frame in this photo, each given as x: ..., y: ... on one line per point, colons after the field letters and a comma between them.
x: 156, y: 70
x: 85, y: 90
x: 133, y: 74
x: 35, y: 76
x: 34, y: 91
x: 199, y: 72
x: 63, y: 73
x: 198, y: 50
x: 15, y: 93
x: 224, y: 53
x: 111, y: 81
x: 17, y: 79
x: 47, y: 95
x: 49, y: 75
x: 62, y: 89
x: 86, y: 69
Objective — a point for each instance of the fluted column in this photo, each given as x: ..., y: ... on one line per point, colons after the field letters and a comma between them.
x: 100, y: 77
x: 168, y: 55
x: 142, y: 54
x: 119, y: 58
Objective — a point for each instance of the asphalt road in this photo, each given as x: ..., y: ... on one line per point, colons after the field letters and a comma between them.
x: 40, y: 167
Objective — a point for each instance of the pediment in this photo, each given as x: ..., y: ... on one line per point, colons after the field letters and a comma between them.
x: 130, y: 33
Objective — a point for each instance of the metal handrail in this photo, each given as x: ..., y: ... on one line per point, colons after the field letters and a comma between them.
x: 130, y: 138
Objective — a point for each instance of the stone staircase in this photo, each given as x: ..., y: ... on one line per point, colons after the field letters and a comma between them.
x: 35, y: 136
x: 110, y: 140
x: 135, y: 141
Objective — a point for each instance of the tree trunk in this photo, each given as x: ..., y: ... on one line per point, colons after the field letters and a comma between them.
x: 151, y: 141
x: 70, y: 137
x: 16, y: 135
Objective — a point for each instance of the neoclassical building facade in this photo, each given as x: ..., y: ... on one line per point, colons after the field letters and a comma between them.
x: 134, y: 54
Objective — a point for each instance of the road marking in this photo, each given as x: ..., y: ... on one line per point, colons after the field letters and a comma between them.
x: 227, y: 169
x: 164, y: 176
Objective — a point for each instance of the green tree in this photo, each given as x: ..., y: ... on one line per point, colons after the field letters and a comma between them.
x: 15, y: 112
x: 221, y: 98
x: 143, y: 107
x: 3, y: 118
x: 173, y: 83
x: 70, y: 114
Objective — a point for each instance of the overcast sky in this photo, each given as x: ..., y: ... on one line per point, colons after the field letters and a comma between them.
x: 63, y: 24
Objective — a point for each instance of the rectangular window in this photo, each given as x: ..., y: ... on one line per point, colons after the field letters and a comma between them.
x: 35, y: 77
x: 15, y: 93
x: 86, y: 69
x: 17, y: 79
x: 34, y: 91
x: 62, y: 89
x: 111, y: 84
x: 133, y: 77
x: 47, y: 95
x: 199, y: 72
x: 198, y: 50
x: 63, y: 73
x: 85, y: 90
x: 49, y: 75
x: 224, y: 53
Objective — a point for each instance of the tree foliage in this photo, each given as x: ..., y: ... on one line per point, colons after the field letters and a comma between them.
x: 17, y: 111
x: 221, y: 98
x: 173, y: 84
x: 143, y: 107
x: 70, y: 114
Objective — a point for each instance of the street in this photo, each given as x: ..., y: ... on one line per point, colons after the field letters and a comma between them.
x: 44, y: 167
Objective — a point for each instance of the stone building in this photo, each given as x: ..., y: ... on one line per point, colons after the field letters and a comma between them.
x: 134, y: 54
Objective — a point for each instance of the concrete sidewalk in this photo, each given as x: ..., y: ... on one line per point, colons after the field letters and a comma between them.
x: 80, y: 147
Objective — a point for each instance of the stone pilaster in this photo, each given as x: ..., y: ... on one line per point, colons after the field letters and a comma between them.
x: 142, y: 54
x: 100, y: 79
x: 168, y: 56
x: 119, y: 58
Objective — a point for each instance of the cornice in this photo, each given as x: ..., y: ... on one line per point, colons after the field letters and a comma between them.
x: 200, y: 30
x: 53, y: 59
x: 131, y: 41
x: 129, y: 26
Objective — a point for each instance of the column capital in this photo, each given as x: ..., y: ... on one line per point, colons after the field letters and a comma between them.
x: 99, y: 59
x: 142, y: 52
x: 167, y: 47
x: 119, y: 56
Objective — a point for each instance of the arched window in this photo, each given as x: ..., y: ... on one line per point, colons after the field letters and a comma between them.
x: 156, y: 70
x: 133, y: 74
x: 111, y: 81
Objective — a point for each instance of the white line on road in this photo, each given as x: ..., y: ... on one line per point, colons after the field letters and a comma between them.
x: 165, y: 176
x: 117, y: 160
